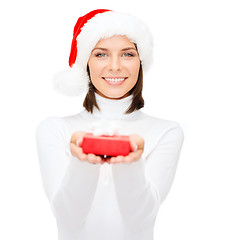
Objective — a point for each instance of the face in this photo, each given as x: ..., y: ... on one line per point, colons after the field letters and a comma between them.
x: 114, y: 67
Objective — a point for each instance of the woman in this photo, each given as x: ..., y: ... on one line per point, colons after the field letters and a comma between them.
x: 118, y: 197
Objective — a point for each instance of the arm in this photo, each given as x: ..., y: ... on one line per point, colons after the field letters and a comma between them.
x: 141, y: 186
x: 68, y: 183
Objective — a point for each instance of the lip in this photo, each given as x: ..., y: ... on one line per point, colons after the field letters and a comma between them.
x: 115, y: 83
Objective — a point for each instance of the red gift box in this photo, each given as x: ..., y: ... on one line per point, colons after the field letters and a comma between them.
x: 106, y: 145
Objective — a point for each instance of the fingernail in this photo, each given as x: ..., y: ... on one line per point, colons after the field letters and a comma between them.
x: 78, y: 141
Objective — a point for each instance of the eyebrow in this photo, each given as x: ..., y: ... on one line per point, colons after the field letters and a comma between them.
x: 103, y: 49
x: 124, y: 49
x: 129, y: 48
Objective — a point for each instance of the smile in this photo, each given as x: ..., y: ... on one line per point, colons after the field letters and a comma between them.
x: 114, y: 80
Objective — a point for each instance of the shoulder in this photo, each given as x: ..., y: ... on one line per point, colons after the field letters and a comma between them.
x: 51, y: 123
x: 155, y: 129
x: 57, y: 125
x: 51, y: 127
x: 159, y: 124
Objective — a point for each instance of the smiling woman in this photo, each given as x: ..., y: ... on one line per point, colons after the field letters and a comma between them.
x: 107, y: 196
x: 115, y: 51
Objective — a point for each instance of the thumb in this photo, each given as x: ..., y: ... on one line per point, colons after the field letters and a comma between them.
x: 79, y: 142
x: 133, y: 146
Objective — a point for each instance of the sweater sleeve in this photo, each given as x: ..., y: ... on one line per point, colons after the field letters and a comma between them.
x: 141, y: 186
x: 68, y: 183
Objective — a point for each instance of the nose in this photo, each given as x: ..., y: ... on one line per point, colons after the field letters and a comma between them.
x: 114, y: 63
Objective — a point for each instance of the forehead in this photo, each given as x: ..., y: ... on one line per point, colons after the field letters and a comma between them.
x: 115, y: 42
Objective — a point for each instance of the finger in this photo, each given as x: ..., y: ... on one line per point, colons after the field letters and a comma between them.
x: 91, y: 158
x: 109, y: 160
x: 139, y: 141
x: 79, y: 142
x: 76, y: 136
x: 131, y: 157
x: 77, y: 152
x: 118, y: 159
x: 112, y: 159
x: 101, y: 161
x: 133, y: 146
x: 73, y: 148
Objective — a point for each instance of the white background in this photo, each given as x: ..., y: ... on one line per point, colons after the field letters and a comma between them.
x: 185, y: 84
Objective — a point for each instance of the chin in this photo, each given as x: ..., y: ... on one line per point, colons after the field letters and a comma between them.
x: 113, y: 93
x: 114, y: 96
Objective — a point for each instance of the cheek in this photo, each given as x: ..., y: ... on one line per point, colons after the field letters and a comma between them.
x: 92, y: 68
x: 134, y: 68
x: 95, y: 70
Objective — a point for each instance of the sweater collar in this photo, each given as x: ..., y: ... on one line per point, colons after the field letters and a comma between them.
x: 112, y: 109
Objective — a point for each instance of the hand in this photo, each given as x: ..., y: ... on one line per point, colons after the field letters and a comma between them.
x: 77, y: 151
x: 137, y: 148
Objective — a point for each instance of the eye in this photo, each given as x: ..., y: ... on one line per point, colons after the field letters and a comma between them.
x: 128, y: 54
x: 100, y: 55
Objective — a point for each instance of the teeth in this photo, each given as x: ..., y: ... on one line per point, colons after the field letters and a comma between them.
x: 114, y: 79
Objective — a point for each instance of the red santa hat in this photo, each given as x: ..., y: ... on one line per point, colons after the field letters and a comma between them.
x: 88, y: 30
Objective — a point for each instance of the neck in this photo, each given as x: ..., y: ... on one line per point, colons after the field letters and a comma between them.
x: 99, y: 93
x: 113, y: 109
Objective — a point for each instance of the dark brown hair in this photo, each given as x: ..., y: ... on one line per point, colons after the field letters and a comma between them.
x: 136, y: 91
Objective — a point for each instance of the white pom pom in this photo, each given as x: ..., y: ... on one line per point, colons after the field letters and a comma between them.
x: 71, y: 82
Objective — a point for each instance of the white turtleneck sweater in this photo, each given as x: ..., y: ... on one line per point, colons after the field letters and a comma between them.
x: 108, y: 201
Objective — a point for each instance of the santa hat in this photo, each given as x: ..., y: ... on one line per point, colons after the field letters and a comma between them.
x: 89, y: 29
